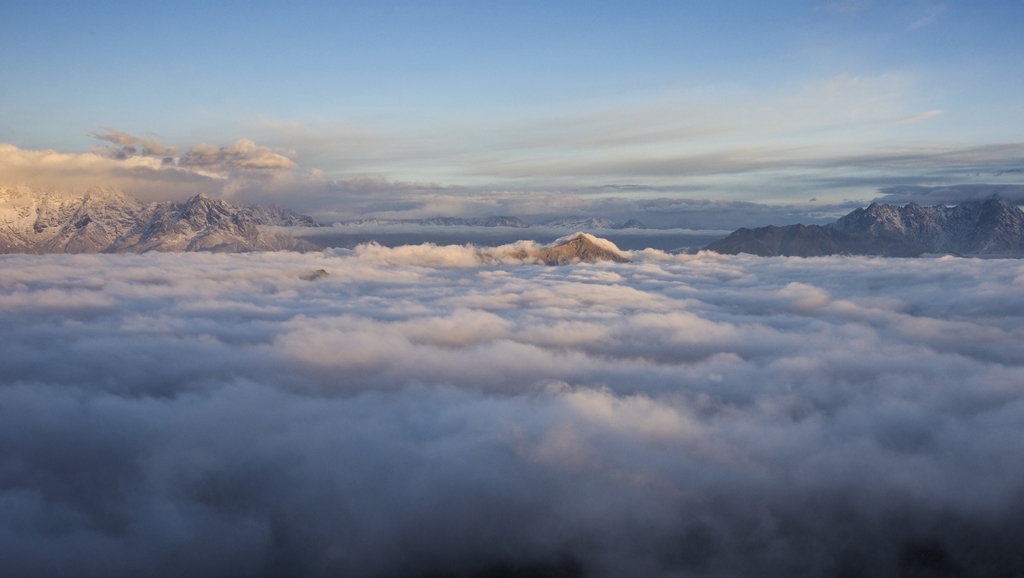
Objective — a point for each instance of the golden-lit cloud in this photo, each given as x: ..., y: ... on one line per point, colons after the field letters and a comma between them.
x: 146, y: 167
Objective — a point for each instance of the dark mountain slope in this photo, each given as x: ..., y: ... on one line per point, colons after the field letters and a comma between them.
x: 991, y: 227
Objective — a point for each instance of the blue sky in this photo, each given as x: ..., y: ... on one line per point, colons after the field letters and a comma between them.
x: 767, y: 102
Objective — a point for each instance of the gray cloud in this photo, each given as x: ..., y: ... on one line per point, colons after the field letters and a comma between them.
x: 419, y: 413
x: 537, y: 177
x: 951, y: 194
x: 243, y: 154
x: 353, y: 199
x: 235, y: 172
x: 129, y: 145
x: 738, y: 160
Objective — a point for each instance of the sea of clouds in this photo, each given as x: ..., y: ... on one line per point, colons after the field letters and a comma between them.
x: 423, y: 412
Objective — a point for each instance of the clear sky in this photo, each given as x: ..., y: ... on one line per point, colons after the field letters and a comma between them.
x: 768, y: 102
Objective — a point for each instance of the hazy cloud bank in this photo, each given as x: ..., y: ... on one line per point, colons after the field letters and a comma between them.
x: 247, y: 172
x: 419, y: 413
x: 952, y: 194
x: 687, y: 177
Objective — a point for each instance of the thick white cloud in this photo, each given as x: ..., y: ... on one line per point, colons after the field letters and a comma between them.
x: 422, y: 412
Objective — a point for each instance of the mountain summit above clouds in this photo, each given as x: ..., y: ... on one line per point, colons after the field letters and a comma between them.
x: 110, y: 221
x: 991, y: 227
x: 579, y: 247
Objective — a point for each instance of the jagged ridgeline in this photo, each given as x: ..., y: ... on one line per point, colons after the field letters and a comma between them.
x: 576, y: 248
x: 110, y: 221
x: 991, y: 227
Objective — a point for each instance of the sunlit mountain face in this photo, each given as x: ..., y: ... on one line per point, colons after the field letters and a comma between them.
x: 450, y: 410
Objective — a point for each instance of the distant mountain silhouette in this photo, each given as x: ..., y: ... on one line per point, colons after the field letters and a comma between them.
x: 572, y: 223
x: 991, y: 227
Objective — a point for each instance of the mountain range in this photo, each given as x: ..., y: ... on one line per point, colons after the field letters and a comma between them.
x: 578, y: 223
x: 502, y: 221
x: 104, y: 220
x: 991, y: 227
x: 110, y: 221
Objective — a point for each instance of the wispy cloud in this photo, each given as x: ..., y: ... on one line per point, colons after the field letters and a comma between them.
x: 726, y: 147
x: 917, y: 117
x: 845, y: 6
x: 931, y: 13
x: 851, y: 133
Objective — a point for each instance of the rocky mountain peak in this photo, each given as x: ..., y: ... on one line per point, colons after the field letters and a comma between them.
x: 108, y: 220
x: 991, y: 227
x: 581, y: 247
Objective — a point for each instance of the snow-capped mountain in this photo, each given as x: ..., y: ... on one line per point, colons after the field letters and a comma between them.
x: 278, y: 216
x: 991, y: 227
x: 580, y: 223
x: 994, y: 226
x: 580, y: 247
x: 111, y: 221
x: 589, y: 223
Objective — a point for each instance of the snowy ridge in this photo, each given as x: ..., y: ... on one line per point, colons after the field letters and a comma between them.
x: 111, y: 221
x: 991, y: 227
x: 589, y: 223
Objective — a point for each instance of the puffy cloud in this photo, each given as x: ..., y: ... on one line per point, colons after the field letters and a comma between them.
x: 128, y: 145
x: 421, y: 412
x: 147, y: 177
x: 148, y: 168
x: 244, y: 154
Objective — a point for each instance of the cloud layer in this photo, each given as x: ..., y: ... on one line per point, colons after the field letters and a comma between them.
x: 245, y: 171
x: 698, y: 184
x: 419, y: 413
x: 951, y: 195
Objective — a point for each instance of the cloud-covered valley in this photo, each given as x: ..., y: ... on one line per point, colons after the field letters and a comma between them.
x: 422, y: 412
